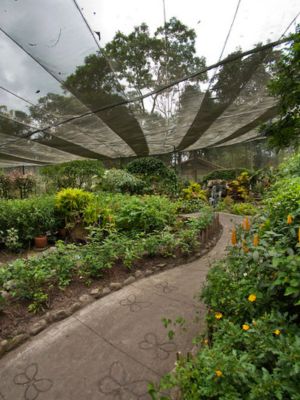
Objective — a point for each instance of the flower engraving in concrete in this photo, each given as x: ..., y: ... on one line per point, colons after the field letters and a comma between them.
x: 117, y: 385
x: 34, y: 386
x: 165, y: 287
x: 133, y: 304
x: 159, y: 350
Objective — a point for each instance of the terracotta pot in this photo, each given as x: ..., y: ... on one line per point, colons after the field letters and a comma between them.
x: 40, y: 242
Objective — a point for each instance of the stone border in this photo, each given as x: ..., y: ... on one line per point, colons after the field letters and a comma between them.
x: 208, y: 239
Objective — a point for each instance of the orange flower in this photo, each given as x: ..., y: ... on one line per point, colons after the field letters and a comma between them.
x: 252, y: 297
x: 255, y: 240
x: 246, y: 224
x: 219, y: 373
x: 218, y: 315
x: 277, y: 332
x: 289, y: 219
x: 233, y: 237
x: 245, y: 327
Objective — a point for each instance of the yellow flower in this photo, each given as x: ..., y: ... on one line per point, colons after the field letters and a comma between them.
x: 246, y: 327
x: 277, y: 332
x: 218, y: 315
x: 219, y: 373
x: 205, y: 341
x: 255, y: 240
x: 252, y: 297
x: 289, y: 219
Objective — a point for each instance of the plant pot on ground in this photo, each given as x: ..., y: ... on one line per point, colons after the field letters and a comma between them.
x: 41, y: 241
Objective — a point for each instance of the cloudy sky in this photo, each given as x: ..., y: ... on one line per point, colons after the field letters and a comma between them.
x: 55, y: 35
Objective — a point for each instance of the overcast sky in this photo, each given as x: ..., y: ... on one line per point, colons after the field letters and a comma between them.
x: 39, y: 24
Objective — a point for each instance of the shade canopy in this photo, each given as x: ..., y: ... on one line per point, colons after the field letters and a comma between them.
x: 112, y: 79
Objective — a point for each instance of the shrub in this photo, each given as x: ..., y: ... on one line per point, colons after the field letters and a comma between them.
x: 160, y: 178
x: 16, y: 181
x: 238, y: 189
x: 194, y: 191
x: 147, y: 214
x: 190, y: 206
x: 29, y: 217
x: 253, y: 299
x: 71, y: 204
x: 24, y: 183
x: 74, y: 174
x: 290, y: 167
x: 118, y: 180
x: 224, y: 174
x: 244, y: 209
x: 5, y: 185
x: 283, y: 199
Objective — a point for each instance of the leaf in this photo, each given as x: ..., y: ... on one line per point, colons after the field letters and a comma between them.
x: 255, y: 255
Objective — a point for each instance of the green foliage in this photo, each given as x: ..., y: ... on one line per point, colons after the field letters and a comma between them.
x: 190, y: 206
x: 140, y: 58
x: 223, y: 174
x: 71, y: 204
x: 158, y: 177
x: 244, y: 209
x: 194, y: 191
x: 238, y: 189
x: 120, y: 181
x: 284, y: 132
x: 290, y: 167
x: 72, y: 174
x: 283, y: 199
x: 253, y: 299
x: 11, y: 239
x: 146, y: 214
x: 28, y: 217
x: 33, y: 279
x: 5, y: 185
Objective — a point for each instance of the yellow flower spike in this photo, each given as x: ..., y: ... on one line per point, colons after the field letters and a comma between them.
x: 219, y: 373
x: 255, y: 240
x: 246, y: 224
x: 233, y: 237
x: 252, y: 298
x: 218, y: 315
x: 277, y: 332
x: 245, y: 327
x: 289, y: 219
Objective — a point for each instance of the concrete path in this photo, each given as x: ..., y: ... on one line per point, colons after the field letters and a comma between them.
x: 112, y: 348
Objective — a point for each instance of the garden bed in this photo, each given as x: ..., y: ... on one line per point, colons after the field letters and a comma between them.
x: 17, y: 323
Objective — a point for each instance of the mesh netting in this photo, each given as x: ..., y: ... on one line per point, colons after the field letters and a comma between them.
x: 73, y: 87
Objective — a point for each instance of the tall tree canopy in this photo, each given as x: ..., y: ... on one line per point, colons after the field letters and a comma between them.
x: 141, y: 62
x: 285, y: 85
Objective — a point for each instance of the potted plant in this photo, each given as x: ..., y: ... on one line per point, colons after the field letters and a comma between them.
x: 41, y: 241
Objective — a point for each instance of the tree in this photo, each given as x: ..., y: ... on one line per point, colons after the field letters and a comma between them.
x: 285, y: 85
x: 147, y: 63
